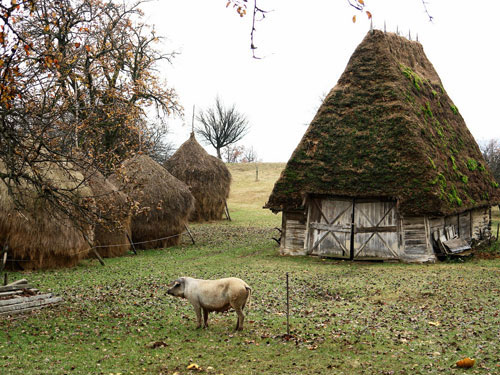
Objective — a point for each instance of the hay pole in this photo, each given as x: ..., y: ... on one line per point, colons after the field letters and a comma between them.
x: 192, y: 121
x: 498, y: 226
x: 190, y: 235
x: 226, y: 211
x: 131, y: 243
x: 94, y: 250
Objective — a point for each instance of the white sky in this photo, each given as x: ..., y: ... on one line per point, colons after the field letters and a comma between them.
x: 305, y: 47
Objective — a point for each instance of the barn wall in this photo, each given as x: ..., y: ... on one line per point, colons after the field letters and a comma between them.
x: 416, y: 232
x: 481, y: 226
x: 293, y: 233
x: 464, y: 225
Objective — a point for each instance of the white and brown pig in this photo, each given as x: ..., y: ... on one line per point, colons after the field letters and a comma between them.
x: 213, y: 295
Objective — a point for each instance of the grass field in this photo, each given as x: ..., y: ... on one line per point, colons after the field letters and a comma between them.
x: 346, y: 317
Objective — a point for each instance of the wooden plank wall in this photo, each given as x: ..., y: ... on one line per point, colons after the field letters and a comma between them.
x: 464, y: 229
x: 415, y: 235
x: 293, y: 233
x: 480, y: 219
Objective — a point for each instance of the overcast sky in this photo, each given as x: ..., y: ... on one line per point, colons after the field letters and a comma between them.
x: 305, y: 46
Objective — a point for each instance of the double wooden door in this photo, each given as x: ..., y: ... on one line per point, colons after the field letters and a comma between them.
x: 352, y: 228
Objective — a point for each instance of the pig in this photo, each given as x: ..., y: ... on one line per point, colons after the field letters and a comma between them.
x: 213, y: 295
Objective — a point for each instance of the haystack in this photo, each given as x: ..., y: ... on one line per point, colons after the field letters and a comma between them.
x: 207, y: 177
x: 387, y: 167
x: 164, y: 202
x: 37, y: 237
x: 111, y: 236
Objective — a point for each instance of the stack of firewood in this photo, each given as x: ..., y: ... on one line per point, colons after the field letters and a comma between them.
x: 20, y: 297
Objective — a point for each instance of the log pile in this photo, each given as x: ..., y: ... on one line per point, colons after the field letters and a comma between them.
x: 20, y: 297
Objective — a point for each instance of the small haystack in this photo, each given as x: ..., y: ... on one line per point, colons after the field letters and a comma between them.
x: 164, y: 202
x: 207, y: 177
x: 37, y: 237
x: 110, y: 237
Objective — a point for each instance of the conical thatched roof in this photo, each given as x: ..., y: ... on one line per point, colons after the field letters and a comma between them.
x: 165, y: 203
x: 37, y: 236
x: 207, y: 177
x: 388, y: 129
x: 110, y: 236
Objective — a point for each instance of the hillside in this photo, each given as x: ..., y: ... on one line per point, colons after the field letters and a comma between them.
x: 248, y: 195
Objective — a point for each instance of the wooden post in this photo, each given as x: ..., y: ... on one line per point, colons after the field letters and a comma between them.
x: 3, y: 262
x: 287, y: 307
x: 227, y: 211
x: 98, y: 256
x: 256, y: 172
x: 189, y: 232
x: 4, y: 258
x: 498, y: 225
x: 131, y: 243
x: 5, y: 279
x: 94, y: 250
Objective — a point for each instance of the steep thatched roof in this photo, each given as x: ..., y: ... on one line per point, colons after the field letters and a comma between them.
x: 36, y: 235
x: 207, y: 177
x: 389, y: 129
x: 164, y: 202
x: 113, y: 207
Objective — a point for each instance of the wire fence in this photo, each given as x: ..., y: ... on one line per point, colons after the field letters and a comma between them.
x: 102, y: 246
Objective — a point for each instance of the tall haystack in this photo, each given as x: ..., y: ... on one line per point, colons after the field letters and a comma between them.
x: 37, y: 237
x: 387, y: 169
x: 111, y: 236
x: 164, y: 202
x: 207, y: 177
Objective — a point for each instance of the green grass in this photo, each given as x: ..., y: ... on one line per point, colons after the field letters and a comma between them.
x: 346, y: 317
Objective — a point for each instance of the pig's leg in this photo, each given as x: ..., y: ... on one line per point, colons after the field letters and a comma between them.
x: 205, y: 318
x: 197, y: 310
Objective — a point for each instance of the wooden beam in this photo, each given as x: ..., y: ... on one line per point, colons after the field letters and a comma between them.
x: 18, y: 300
x: 18, y: 282
x: 331, y: 227
x: 8, y: 288
x: 28, y: 306
x: 393, y: 228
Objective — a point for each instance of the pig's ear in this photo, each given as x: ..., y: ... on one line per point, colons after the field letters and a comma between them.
x: 179, y: 281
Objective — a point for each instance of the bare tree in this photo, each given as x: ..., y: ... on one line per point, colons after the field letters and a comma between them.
x: 249, y: 155
x: 75, y: 77
x: 233, y: 154
x: 221, y: 126
x: 491, y: 154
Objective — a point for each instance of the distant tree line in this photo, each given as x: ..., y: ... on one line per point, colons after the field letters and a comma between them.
x: 491, y: 154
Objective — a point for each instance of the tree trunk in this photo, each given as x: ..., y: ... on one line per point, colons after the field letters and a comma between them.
x: 218, y: 154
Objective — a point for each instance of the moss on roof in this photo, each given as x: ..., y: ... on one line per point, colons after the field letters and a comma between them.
x: 388, y: 129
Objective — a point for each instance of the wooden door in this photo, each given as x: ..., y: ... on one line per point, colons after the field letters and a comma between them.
x: 329, y: 229
x: 375, y: 230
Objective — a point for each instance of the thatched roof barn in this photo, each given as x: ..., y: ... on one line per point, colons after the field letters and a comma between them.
x: 208, y: 179
x: 387, y: 168
x: 114, y: 208
x: 38, y: 237
x: 164, y: 202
